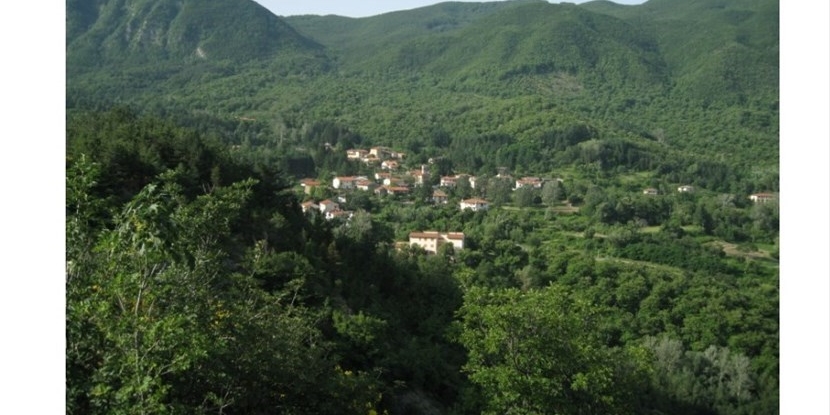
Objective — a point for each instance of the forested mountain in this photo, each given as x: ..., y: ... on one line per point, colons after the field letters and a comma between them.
x: 636, y: 72
x: 521, y: 38
x: 715, y: 49
x: 356, y: 41
x: 636, y: 273
x: 134, y: 32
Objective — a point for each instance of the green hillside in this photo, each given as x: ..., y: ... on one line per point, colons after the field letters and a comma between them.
x: 128, y: 33
x: 691, y: 85
x: 716, y: 50
x: 624, y: 259
x: 542, y: 38
x: 356, y: 41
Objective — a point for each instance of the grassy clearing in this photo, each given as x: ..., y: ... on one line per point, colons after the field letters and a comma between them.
x: 736, y: 251
x: 634, y: 179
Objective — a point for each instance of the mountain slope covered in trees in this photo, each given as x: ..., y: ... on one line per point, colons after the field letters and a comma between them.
x: 649, y: 71
x: 198, y: 280
x: 101, y: 33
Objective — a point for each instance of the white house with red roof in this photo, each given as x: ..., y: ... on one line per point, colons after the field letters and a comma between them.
x: 356, y: 154
x: 343, y: 182
x: 430, y: 241
x: 309, y: 184
x: 448, y: 181
x: 365, y: 185
x: 475, y: 204
x: 533, y: 182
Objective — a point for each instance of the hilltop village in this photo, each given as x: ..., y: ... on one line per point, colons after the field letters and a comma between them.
x: 465, y: 208
x: 392, y: 179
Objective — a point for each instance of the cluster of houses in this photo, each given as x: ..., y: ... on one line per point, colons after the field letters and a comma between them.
x: 385, y: 156
x: 328, y: 208
x: 386, y: 184
x: 391, y: 179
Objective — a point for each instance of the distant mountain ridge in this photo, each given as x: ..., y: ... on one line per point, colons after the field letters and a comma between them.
x: 541, y: 38
x: 358, y: 39
x: 698, y: 75
x: 710, y: 49
x: 715, y: 49
x: 135, y: 32
x: 702, y: 48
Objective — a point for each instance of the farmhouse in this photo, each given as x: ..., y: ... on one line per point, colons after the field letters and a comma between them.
x: 533, y: 182
x: 343, y: 182
x: 431, y: 240
x: 475, y: 204
x: 650, y: 191
x: 308, y: 185
x: 762, y: 197
x: 448, y: 181
x: 686, y: 188
x: 356, y: 154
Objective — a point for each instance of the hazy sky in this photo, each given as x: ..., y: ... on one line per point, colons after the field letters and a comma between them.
x: 363, y: 8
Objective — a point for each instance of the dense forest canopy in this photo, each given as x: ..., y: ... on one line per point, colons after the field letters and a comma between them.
x: 232, y: 247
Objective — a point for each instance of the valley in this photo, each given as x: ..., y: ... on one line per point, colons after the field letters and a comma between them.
x: 466, y: 208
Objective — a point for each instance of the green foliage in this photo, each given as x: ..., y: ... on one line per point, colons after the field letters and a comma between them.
x: 170, y: 32
x: 525, y: 197
x: 715, y: 379
x: 552, y: 192
x: 536, y: 73
x: 157, y: 324
x: 536, y: 352
x: 195, y: 284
